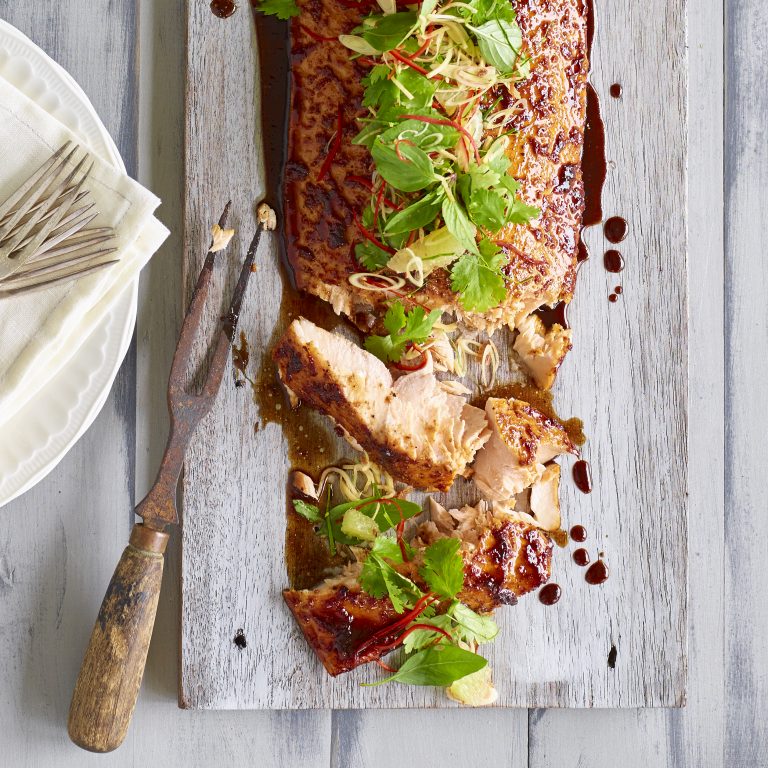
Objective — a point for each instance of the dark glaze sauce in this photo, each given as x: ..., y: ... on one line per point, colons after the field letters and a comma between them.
x: 579, y: 533
x: 597, y: 573
x: 615, y: 229
x: 223, y: 8
x: 581, y: 557
x: 582, y: 476
x: 618, y: 289
x: 550, y: 594
x: 615, y: 90
x: 593, y: 164
x: 557, y: 315
x: 540, y: 399
x: 613, y: 298
x: 613, y: 261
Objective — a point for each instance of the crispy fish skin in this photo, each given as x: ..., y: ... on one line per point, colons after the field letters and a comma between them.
x: 545, y: 152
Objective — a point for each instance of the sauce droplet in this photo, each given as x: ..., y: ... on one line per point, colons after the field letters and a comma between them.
x: 582, y: 476
x: 613, y: 298
x: 223, y: 8
x: 579, y: 533
x: 615, y: 229
x: 582, y: 252
x: 581, y: 557
x: 597, y: 573
x: 615, y: 90
x: 618, y: 289
x: 613, y: 261
x: 550, y: 594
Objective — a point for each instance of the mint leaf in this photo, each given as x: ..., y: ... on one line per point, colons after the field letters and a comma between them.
x: 387, y: 32
x: 499, y: 42
x: 308, y: 511
x: 421, y: 638
x: 459, y: 225
x: 473, y: 627
x: 408, y: 168
x: 439, y: 665
x: 479, y: 280
x: 443, y: 568
x: 413, y: 328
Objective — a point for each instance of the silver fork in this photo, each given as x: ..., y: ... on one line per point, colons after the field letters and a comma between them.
x: 43, y: 234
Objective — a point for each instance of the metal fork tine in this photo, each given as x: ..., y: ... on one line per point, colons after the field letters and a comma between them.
x: 37, y: 191
x: 67, y: 228
x: 58, y: 262
x: 32, y: 181
x: 11, y: 265
x: 47, y: 282
x: 74, y: 220
x: 35, y: 208
x: 89, y: 237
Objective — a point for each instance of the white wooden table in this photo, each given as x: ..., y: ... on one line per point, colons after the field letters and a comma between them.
x: 60, y: 542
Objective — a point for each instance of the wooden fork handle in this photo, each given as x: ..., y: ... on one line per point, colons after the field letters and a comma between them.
x: 110, y: 677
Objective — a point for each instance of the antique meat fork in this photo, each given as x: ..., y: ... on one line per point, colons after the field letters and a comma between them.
x: 110, y: 677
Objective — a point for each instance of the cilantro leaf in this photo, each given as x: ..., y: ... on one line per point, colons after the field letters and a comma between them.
x: 488, y: 209
x: 378, y: 578
x: 308, y: 511
x: 283, y: 9
x: 520, y: 213
x: 371, y: 256
x: 444, y: 567
x: 438, y: 665
x: 413, y: 328
x: 478, y: 279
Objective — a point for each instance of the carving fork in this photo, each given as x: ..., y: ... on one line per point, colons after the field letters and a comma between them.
x: 108, y: 684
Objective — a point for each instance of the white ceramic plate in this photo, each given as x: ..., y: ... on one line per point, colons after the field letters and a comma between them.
x: 37, y: 438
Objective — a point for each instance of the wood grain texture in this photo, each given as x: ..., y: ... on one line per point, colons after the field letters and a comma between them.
x: 113, y: 667
x: 634, y: 410
x: 746, y: 339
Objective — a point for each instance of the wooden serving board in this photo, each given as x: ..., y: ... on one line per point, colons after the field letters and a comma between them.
x: 622, y: 644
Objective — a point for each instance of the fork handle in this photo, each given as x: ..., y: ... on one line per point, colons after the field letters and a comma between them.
x: 108, y: 684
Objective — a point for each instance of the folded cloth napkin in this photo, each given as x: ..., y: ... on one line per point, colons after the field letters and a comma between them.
x: 41, y: 331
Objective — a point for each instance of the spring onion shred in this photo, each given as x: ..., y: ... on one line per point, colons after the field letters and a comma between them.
x: 371, y: 281
x: 489, y: 365
x: 358, y: 480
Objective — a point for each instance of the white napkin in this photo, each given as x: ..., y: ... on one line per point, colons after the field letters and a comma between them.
x: 41, y: 331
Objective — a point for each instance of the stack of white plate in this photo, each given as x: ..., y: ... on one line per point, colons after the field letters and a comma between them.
x: 36, y: 438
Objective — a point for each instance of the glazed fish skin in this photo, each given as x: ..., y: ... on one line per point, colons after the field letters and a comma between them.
x: 411, y: 427
x: 545, y: 153
x: 504, y: 558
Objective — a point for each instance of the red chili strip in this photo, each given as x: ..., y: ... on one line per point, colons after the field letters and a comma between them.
x: 405, y: 619
x: 369, y: 186
x: 428, y: 627
x: 335, y: 146
x: 451, y: 124
x: 406, y: 365
x: 405, y: 60
x: 315, y: 36
x: 385, y: 666
x: 368, y: 235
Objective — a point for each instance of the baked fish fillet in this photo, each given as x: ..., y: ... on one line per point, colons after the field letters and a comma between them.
x: 412, y: 427
x: 545, y: 151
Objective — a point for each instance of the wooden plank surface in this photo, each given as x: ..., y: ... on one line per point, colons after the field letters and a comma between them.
x: 44, y: 562
x: 634, y: 410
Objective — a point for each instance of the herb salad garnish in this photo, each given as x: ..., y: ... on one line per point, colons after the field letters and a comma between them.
x: 437, y: 98
x: 441, y: 190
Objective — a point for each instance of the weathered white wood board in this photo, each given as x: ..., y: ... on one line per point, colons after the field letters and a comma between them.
x: 626, y: 377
